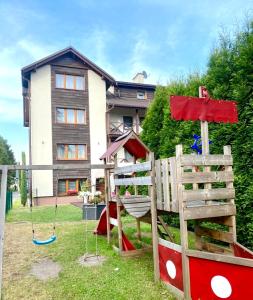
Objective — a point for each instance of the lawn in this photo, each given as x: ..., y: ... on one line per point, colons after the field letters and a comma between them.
x: 118, y: 278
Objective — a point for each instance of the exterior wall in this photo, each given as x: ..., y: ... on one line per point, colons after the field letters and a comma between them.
x: 70, y: 133
x: 97, y: 105
x: 41, y: 130
x: 131, y: 93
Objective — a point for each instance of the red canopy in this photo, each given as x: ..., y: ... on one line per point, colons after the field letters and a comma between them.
x: 203, y: 109
x: 131, y: 142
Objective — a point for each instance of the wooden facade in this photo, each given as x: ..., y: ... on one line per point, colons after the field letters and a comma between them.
x: 69, y: 133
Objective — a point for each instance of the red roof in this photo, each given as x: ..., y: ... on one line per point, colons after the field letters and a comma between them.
x: 131, y: 142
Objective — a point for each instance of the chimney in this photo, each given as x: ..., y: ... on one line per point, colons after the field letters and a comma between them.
x: 139, y: 78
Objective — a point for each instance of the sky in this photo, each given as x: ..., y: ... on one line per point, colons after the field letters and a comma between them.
x: 166, y: 38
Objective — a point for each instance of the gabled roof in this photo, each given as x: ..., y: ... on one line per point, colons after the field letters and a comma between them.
x: 26, y: 70
x: 131, y: 142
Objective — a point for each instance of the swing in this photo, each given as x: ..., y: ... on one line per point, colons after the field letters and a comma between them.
x: 53, y: 236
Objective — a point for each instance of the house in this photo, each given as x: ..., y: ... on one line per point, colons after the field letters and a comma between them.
x: 74, y: 110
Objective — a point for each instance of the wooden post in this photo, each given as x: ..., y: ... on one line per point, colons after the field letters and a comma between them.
x: 2, y: 219
x: 118, y: 208
x: 107, y: 202
x: 227, y: 151
x: 154, y: 219
x: 137, y: 126
x: 183, y: 227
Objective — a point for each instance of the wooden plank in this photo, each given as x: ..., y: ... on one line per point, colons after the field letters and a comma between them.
x: 134, y: 199
x: 137, y: 205
x: 154, y: 219
x: 173, y: 180
x: 209, y: 194
x: 166, y: 185
x: 183, y: 226
x: 133, y: 181
x: 227, y: 151
x: 177, y: 292
x: 214, y: 234
x: 206, y: 160
x: 138, y: 209
x: 211, y: 211
x: 146, y: 166
x: 4, y: 176
x: 211, y: 247
x: 207, y: 177
x: 136, y: 252
x: 77, y: 166
x: 170, y: 245
x: 221, y: 258
x: 158, y: 181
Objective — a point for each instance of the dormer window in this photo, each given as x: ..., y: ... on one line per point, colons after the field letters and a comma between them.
x: 141, y: 95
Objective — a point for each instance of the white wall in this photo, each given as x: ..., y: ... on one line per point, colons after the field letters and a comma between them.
x: 41, y: 130
x: 97, y: 112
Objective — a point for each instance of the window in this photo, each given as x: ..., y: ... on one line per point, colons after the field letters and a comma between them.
x: 71, y: 152
x: 66, y: 185
x: 128, y: 122
x: 70, y: 82
x: 141, y: 95
x: 59, y: 81
x: 70, y: 116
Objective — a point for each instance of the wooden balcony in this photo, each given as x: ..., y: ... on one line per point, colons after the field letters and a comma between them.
x: 116, y: 129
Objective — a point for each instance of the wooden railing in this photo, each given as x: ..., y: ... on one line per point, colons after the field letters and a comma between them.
x: 119, y: 128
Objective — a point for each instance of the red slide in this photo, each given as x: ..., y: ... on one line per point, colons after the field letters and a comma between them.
x: 102, y: 228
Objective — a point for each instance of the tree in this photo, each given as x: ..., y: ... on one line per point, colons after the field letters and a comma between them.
x: 23, y: 184
x: 7, y: 158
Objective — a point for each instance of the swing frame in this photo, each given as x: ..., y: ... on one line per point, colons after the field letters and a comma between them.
x: 3, y: 183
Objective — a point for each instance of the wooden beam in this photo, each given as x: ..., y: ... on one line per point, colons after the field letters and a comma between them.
x: 133, y: 181
x: 77, y: 166
x: 154, y: 219
x: 221, y: 258
x: 183, y: 226
x: 207, y: 177
x: 209, y: 194
x: 4, y: 176
x: 158, y: 182
x: 146, y: 166
x: 214, y: 234
x: 206, y: 160
x: 173, y: 179
x: 166, y: 185
x: 209, y: 211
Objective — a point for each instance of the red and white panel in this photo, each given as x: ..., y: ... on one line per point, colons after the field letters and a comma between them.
x: 170, y: 263
x: 211, y: 280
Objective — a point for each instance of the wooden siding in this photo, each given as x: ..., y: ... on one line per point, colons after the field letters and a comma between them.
x: 131, y: 93
x: 69, y: 133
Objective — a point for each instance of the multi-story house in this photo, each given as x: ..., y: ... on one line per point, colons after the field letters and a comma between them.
x: 74, y: 110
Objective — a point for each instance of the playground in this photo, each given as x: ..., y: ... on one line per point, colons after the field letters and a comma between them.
x: 111, y: 280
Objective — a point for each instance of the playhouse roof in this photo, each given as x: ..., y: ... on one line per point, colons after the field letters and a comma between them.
x: 131, y: 142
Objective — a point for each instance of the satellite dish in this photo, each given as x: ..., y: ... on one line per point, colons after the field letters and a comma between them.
x: 145, y: 74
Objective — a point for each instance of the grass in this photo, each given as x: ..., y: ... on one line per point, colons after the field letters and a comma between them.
x: 45, y: 214
x: 118, y: 278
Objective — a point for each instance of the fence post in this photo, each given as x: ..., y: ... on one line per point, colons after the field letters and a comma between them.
x: 2, y: 219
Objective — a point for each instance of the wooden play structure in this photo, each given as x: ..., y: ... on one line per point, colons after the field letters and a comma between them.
x: 200, y: 189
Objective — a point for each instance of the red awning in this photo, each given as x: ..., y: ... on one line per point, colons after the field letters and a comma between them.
x: 203, y: 109
x: 131, y: 142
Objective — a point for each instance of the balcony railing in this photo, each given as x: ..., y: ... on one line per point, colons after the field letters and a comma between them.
x: 119, y: 128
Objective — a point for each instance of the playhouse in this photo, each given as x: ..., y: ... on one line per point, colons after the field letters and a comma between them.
x: 198, y: 187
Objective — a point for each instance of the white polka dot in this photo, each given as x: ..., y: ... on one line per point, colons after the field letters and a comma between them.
x: 171, y: 269
x: 221, y: 286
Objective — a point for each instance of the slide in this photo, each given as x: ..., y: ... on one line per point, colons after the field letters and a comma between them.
x: 102, y: 228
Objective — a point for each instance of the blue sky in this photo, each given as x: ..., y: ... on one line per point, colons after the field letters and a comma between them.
x: 167, y: 38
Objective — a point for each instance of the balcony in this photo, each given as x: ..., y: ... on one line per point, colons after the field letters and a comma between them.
x: 116, y: 129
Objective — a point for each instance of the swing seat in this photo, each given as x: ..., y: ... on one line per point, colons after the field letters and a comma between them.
x: 45, y: 242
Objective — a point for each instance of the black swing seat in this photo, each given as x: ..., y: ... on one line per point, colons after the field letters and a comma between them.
x: 45, y: 242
